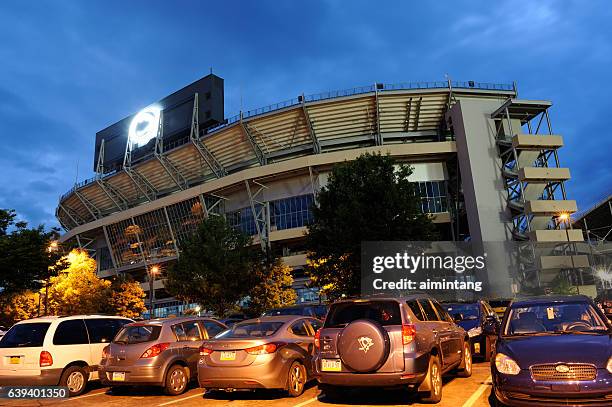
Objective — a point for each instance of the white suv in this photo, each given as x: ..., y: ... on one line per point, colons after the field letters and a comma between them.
x: 51, y: 351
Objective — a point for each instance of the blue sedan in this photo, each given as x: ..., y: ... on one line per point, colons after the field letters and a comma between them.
x: 553, y: 351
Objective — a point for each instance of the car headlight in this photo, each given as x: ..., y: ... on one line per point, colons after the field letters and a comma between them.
x: 609, y: 365
x: 506, y: 365
x: 475, y: 331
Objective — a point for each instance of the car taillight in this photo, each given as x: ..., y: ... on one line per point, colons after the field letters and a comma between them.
x: 205, y: 351
x: 106, y: 352
x: 155, y: 350
x: 408, y: 333
x: 317, y: 339
x: 45, y: 359
x: 263, y: 349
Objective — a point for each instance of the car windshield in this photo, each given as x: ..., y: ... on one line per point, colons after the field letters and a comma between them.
x: 137, y: 334
x: 553, y: 318
x: 259, y: 329
x: 469, y: 311
x: 384, y: 312
x: 25, y: 335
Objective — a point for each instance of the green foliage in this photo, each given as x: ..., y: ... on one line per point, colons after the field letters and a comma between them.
x: 126, y: 298
x: 75, y: 290
x: 25, y: 260
x: 17, y: 307
x: 274, y: 288
x: 215, y: 267
x: 368, y: 199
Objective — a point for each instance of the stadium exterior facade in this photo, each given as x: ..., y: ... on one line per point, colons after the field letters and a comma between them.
x: 486, y: 165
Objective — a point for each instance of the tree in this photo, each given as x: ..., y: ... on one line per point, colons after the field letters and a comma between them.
x: 368, y: 199
x: 19, y: 306
x: 25, y: 258
x: 126, y: 298
x: 274, y: 288
x: 215, y: 267
x: 77, y: 289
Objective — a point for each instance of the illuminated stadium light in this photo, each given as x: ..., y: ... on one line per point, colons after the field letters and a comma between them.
x: 144, y: 126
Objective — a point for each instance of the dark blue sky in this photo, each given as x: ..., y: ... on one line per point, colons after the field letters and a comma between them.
x: 70, y: 68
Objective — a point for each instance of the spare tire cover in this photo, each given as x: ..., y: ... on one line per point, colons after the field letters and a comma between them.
x: 363, y: 345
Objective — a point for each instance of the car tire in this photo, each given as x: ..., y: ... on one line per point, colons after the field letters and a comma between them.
x: 466, y: 361
x: 176, y: 380
x: 486, y: 354
x: 296, y: 379
x: 434, y: 378
x: 75, y: 378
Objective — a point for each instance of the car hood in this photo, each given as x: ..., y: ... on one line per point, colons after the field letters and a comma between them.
x: 568, y: 348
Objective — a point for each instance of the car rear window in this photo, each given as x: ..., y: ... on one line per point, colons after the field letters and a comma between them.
x: 252, y: 330
x: 25, y: 335
x: 138, y: 334
x: 384, y: 312
x: 499, y: 303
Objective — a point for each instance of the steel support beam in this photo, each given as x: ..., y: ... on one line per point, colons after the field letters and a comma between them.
x: 316, y: 146
x: 113, y: 194
x: 110, y: 248
x: 170, y: 168
x: 209, y: 158
x: 141, y: 183
x: 408, y: 111
x: 91, y: 208
x: 261, y: 157
x: 379, y: 138
x: 261, y: 214
x: 172, y: 235
x: 418, y: 113
x: 72, y: 215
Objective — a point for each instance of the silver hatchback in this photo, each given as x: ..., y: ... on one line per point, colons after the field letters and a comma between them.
x: 159, y: 352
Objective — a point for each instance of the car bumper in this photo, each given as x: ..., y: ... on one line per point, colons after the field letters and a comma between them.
x: 522, y: 391
x: 46, y: 377
x: 414, y: 372
x: 134, y: 375
x: 272, y: 374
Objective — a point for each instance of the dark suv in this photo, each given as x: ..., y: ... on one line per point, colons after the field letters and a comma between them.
x: 374, y: 341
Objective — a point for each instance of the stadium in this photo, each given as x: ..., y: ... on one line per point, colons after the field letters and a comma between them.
x: 486, y: 164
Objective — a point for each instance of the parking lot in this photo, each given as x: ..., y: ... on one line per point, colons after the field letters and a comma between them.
x: 457, y: 392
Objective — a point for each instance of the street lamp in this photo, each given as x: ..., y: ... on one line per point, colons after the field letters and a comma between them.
x: 153, y: 270
x: 53, y: 246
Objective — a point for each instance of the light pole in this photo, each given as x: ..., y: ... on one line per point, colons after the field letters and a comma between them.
x: 53, y: 246
x: 153, y: 270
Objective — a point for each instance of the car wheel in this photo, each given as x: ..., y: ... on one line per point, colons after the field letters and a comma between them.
x: 176, y: 380
x: 331, y: 393
x: 296, y: 380
x: 75, y: 378
x: 466, y: 363
x: 486, y: 354
x: 434, y: 378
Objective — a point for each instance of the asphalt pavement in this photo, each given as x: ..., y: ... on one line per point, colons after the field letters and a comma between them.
x: 457, y: 392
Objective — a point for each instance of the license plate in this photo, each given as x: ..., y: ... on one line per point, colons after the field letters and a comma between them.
x: 228, y: 355
x: 15, y: 360
x: 118, y: 376
x: 477, y: 347
x: 331, y: 365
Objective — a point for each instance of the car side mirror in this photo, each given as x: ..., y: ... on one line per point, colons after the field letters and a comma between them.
x: 491, y: 326
x: 458, y: 317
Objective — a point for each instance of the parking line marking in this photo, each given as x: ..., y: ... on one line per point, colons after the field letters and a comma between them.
x: 476, y: 395
x: 178, y: 400
x: 303, y: 403
x: 87, y: 395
